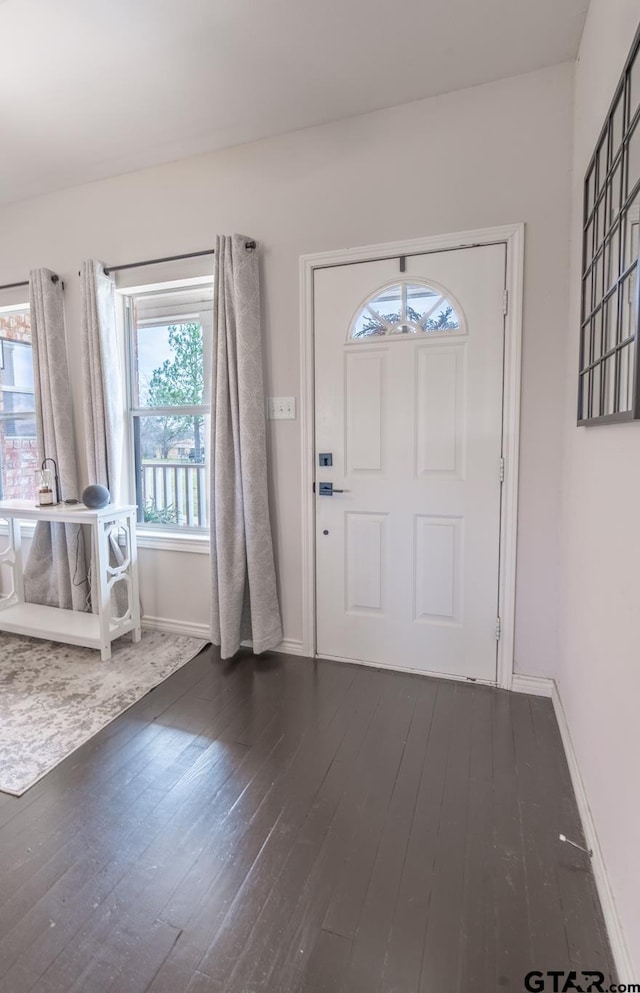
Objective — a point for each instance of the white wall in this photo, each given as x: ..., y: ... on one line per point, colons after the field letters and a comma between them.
x: 491, y: 155
x: 599, y: 671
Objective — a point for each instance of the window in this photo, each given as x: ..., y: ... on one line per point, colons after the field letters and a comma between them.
x: 169, y: 341
x: 18, y: 442
x: 608, y: 378
x: 405, y: 308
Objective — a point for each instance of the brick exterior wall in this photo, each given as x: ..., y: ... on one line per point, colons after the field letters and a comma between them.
x: 19, y: 462
x: 18, y: 456
x: 16, y: 326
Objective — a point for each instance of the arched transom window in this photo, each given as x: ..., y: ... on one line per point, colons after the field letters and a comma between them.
x: 406, y: 308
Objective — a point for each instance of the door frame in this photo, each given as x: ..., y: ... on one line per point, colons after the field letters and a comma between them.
x: 512, y: 236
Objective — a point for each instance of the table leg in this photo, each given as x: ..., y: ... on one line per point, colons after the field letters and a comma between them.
x: 133, y: 572
x: 101, y: 577
x: 15, y: 543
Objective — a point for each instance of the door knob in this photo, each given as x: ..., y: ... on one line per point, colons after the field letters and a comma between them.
x: 327, y: 489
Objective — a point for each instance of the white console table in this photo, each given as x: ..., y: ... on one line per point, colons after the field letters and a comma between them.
x: 75, y: 627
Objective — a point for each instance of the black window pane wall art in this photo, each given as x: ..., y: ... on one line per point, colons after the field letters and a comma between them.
x: 608, y: 378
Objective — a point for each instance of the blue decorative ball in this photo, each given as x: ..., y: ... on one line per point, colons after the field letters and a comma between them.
x: 95, y: 497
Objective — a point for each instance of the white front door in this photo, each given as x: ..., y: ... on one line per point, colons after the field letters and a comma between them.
x: 408, y: 411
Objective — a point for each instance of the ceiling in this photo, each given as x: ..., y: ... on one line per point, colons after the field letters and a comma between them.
x: 92, y: 88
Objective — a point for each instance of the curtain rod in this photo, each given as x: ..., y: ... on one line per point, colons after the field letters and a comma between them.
x: 25, y: 282
x: 249, y: 245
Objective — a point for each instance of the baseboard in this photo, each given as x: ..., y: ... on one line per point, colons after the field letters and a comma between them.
x: 169, y: 625
x: 619, y: 948
x: 290, y: 646
x: 533, y: 685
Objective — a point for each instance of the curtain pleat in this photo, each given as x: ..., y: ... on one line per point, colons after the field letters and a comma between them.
x: 55, y: 571
x: 245, y: 598
x: 103, y: 380
x: 103, y: 395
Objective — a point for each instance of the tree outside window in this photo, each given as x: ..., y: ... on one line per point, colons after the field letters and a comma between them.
x: 169, y: 341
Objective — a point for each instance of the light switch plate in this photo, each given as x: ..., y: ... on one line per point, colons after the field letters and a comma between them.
x: 281, y: 408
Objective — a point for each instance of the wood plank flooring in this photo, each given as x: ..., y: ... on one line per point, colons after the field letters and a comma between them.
x: 284, y: 825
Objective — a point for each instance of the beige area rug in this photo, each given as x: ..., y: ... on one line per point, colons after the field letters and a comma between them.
x: 55, y: 697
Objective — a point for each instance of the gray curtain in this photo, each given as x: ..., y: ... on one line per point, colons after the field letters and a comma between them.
x: 55, y: 571
x: 103, y: 380
x: 103, y: 392
x: 245, y: 598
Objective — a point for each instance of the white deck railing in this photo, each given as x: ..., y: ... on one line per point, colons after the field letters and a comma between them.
x: 175, y: 491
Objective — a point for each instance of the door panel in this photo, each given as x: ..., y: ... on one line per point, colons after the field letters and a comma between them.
x: 439, y: 554
x: 439, y: 418
x: 364, y: 396
x: 365, y: 562
x: 411, y: 410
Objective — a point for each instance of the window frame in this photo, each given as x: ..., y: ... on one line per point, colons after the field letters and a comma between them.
x: 17, y: 415
x: 154, y: 534
x: 19, y: 307
x: 393, y: 333
x: 605, y: 303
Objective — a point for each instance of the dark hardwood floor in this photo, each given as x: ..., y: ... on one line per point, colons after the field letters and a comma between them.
x: 279, y: 825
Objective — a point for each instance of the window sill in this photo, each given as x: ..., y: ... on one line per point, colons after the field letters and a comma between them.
x: 173, y: 541
x: 162, y: 541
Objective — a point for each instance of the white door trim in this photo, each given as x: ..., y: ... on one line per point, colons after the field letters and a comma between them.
x: 513, y: 236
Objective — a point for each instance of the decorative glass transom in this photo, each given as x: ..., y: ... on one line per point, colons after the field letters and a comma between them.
x: 405, y: 308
